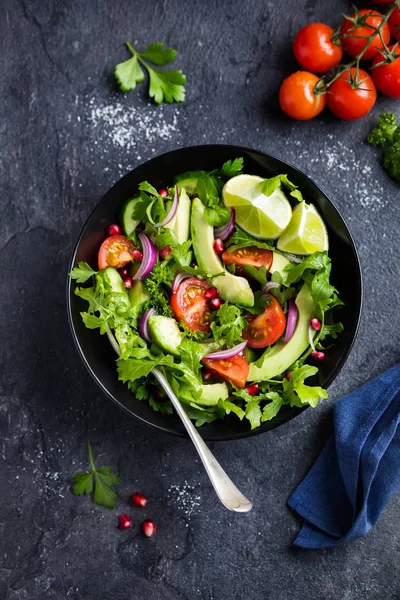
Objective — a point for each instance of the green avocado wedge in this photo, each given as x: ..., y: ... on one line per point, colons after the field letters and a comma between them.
x: 231, y: 288
x: 180, y: 224
x: 277, y: 359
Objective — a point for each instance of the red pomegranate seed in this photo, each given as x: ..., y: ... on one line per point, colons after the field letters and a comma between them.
x: 193, y: 264
x: 215, y: 303
x: 114, y: 229
x: 288, y: 375
x: 149, y: 527
x: 208, y: 375
x: 211, y: 293
x: 125, y: 522
x: 219, y: 246
x: 315, y: 323
x: 137, y: 255
x: 317, y: 355
x: 124, y: 272
x: 128, y: 282
x: 139, y: 500
x: 163, y: 193
x: 164, y: 252
x: 252, y: 389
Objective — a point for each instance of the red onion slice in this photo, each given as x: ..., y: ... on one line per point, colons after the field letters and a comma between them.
x: 149, y: 257
x: 172, y: 211
x: 179, y: 277
x: 230, y: 353
x: 225, y: 231
x: 143, y: 324
x: 291, y: 320
x: 269, y: 286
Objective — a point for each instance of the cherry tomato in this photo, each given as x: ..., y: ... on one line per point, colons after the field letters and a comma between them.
x: 265, y: 329
x: 190, y: 304
x: 116, y: 251
x: 387, y: 76
x: 234, y: 370
x: 346, y: 100
x: 394, y: 23
x: 354, y: 43
x: 250, y: 255
x: 300, y: 98
x: 314, y: 50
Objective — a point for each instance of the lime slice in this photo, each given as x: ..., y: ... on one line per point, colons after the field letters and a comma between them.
x: 262, y: 216
x: 306, y: 232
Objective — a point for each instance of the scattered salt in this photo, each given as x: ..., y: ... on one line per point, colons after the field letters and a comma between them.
x: 185, y: 498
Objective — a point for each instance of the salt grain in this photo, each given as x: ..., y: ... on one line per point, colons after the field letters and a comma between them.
x: 185, y: 499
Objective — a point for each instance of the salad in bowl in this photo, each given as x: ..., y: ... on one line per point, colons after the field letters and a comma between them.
x: 222, y: 280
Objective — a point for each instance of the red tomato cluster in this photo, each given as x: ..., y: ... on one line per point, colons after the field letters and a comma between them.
x: 351, y: 92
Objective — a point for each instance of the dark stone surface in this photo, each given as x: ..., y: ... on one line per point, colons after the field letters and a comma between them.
x: 67, y: 135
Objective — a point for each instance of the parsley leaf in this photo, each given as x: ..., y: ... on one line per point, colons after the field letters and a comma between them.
x: 157, y: 283
x: 387, y: 135
x: 164, y: 86
x: 231, y: 168
x: 268, y: 186
x: 241, y: 239
x: 208, y: 192
x: 82, y: 272
x: 228, y: 324
x: 99, y: 480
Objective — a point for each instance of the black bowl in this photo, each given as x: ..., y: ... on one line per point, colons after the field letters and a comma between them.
x: 95, y: 350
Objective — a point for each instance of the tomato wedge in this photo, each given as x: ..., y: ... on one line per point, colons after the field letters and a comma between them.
x: 249, y: 255
x: 265, y: 329
x: 116, y: 251
x: 234, y: 370
x: 190, y: 304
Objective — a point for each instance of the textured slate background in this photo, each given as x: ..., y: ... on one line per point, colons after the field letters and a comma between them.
x: 66, y: 136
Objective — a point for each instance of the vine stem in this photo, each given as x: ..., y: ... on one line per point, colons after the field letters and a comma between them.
x: 356, y: 61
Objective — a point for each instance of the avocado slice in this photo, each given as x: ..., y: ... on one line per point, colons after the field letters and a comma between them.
x: 211, y: 393
x: 232, y: 288
x: 181, y: 221
x: 113, y: 282
x: 277, y: 359
x: 279, y: 262
x: 165, y: 332
x: 188, y: 181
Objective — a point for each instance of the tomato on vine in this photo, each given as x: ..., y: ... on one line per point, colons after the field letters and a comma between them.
x: 386, y: 72
x: 352, y: 95
x: 359, y: 26
x: 314, y: 49
x: 302, y: 95
x: 394, y: 23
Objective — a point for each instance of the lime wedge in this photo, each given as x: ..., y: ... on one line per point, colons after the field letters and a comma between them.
x: 262, y: 216
x: 306, y: 232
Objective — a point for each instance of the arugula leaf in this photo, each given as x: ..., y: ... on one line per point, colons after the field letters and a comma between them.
x: 226, y: 407
x: 82, y: 272
x: 191, y: 355
x: 258, y: 273
x: 296, y: 393
x: 261, y: 301
x: 164, y: 86
x: 271, y: 409
x: 241, y: 239
x: 268, y: 186
x: 182, y: 254
x: 331, y: 329
x: 217, y: 215
x: 253, y: 413
x: 99, y: 480
x: 228, y: 324
x: 130, y: 369
x: 231, y: 168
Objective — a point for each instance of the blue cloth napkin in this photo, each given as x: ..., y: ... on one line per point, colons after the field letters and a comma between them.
x: 357, y: 473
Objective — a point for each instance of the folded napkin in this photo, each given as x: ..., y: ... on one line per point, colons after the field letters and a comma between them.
x: 357, y: 473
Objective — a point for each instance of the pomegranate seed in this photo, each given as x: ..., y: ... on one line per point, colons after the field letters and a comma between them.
x: 315, y: 323
x: 164, y: 252
x: 149, y: 527
x: 219, y: 246
x: 208, y: 375
x: 163, y: 193
x: 252, y: 389
x: 211, y: 293
x: 288, y: 375
x: 124, y: 272
x: 128, y: 282
x: 139, y: 500
x: 193, y: 264
x: 114, y: 230
x: 125, y: 522
x: 137, y: 255
x: 317, y: 355
x: 215, y: 303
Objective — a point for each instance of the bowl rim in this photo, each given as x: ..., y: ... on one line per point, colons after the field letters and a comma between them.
x: 183, y: 434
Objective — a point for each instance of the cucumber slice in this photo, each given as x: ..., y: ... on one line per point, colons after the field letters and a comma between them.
x: 165, y: 332
x: 113, y: 281
x: 138, y: 294
x: 128, y: 223
x: 188, y: 181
